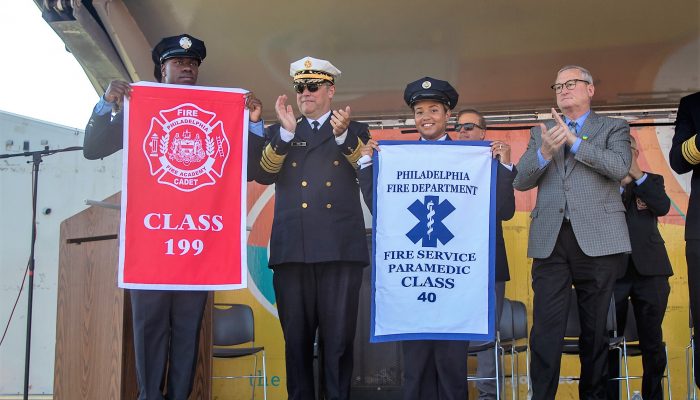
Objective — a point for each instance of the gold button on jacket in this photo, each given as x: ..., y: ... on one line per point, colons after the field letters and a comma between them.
x: 317, y: 211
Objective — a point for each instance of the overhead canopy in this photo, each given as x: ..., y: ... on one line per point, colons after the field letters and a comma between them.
x: 501, y: 55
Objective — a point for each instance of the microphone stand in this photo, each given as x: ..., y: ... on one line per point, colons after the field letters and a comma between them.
x: 36, y: 160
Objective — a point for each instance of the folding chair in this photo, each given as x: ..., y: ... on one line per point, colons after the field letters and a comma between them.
x: 504, y: 335
x: 234, y: 326
x: 633, y: 349
x: 521, y: 343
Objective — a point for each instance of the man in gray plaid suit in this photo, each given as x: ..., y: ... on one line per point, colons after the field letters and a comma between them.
x: 578, y: 231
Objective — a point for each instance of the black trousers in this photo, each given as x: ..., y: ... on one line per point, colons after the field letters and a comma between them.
x: 435, y: 369
x: 323, y: 296
x: 649, y: 295
x: 552, y: 277
x: 166, y: 335
x: 692, y: 257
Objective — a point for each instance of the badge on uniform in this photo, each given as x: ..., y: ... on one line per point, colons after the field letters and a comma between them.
x: 299, y: 144
x: 641, y: 205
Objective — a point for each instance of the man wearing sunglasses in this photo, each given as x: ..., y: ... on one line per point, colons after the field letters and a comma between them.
x: 318, y: 246
x: 471, y: 125
x: 578, y: 231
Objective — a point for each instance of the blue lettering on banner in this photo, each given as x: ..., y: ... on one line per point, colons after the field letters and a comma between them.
x: 430, y: 228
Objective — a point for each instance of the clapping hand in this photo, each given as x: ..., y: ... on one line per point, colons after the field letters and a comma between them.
x: 285, y: 114
x: 555, y: 137
x: 340, y: 119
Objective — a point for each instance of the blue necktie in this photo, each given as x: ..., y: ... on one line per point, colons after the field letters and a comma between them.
x: 315, y: 127
x: 572, y: 127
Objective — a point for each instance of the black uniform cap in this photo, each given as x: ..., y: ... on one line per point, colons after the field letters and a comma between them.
x: 177, y: 46
x: 428, y: 88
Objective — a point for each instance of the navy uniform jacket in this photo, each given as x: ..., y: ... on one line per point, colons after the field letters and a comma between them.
x: 505, y: 209
x: 104, y: 136
x: 644, y: 204
x: 688, y: 126
x: 318, y: 216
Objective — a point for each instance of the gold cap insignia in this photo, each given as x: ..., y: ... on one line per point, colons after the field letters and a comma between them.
x: 307, y: 64
x: 185, y: 42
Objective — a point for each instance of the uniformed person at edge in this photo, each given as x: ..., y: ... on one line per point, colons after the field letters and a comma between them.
x: 318, y: 246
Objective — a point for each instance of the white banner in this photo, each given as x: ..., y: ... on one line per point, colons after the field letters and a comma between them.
x: 433, y: 241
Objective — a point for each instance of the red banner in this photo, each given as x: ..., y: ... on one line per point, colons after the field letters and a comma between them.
x: 184, y: 188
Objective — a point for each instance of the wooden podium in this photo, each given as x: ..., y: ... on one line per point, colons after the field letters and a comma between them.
x: 94, y: 343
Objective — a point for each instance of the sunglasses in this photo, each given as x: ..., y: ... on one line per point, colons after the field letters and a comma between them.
x: 468, y: 127
x: 312, y: 87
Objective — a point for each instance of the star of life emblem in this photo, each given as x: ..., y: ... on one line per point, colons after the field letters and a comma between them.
x: 186, y: 147
x: 430, y: 228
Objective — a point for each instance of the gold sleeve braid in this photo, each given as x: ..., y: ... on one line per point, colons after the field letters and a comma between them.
x: 271, y: 162
x: 690, y: 151
x: 355, y: 153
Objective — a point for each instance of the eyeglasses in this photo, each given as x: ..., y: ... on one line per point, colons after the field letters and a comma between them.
x: 469, y: 126
x: 570, y: 84
x: 312, y: 87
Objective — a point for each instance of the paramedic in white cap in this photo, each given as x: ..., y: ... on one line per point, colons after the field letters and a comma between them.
x: 318, y: 247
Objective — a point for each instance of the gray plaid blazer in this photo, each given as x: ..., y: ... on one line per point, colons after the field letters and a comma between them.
x: 590, y: 185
